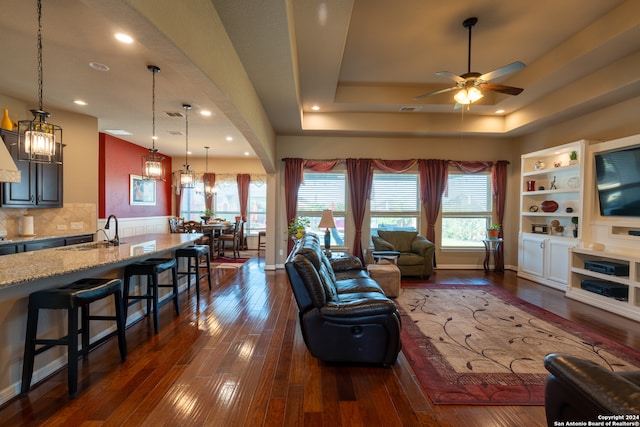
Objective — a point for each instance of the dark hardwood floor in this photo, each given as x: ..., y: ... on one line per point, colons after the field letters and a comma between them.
x: 236, y: 358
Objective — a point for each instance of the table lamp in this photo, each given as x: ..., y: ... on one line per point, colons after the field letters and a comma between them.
x: 327, y: 222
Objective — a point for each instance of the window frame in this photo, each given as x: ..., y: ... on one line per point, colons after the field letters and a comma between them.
x: 401, y: 214
x: 486, y: 215
x: 314, y: 215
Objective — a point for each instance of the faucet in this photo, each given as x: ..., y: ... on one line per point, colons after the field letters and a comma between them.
x: 116, y: 240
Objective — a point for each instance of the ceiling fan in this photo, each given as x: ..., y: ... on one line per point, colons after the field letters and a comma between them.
x: 471, y: 84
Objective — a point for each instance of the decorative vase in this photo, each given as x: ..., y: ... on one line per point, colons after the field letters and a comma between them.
x: 493, y: 234
x: 7, y: 124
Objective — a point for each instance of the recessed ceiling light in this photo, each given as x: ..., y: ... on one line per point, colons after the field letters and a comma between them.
x: 117, y: 132
x: 124, y: 38
x: 315, y: 108
x: 205, y: 113
x: 499, y: 111
x: 229, y: 139
x: 246, y: 153
x: 98, y: 66
x: 79, y: 102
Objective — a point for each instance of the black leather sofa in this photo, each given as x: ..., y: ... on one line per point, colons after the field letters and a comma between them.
x: 344, y: 314
x: 581, y: 390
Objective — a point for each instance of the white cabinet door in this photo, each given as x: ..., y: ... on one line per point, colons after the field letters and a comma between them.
x: 532, y: 255
x: 558, y: 260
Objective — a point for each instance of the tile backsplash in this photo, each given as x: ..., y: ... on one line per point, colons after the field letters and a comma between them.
x: 73, y: 218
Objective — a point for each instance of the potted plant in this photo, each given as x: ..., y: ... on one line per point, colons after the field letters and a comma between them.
x: 297, y: 227
x: 493, y: 231
x: 573, y: 157
x: 574, y: 221
x: 206, y: 215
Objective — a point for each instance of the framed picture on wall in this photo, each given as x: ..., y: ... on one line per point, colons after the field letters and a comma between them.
x: 142, y: 191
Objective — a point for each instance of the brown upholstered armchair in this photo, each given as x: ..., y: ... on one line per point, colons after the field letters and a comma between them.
x: 416, y: 252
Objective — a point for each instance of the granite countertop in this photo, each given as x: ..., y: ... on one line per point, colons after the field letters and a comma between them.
x: 23, y: 239
x: 26, y: 267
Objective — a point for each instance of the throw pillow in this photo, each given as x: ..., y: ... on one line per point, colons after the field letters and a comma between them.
x: 379, y: 244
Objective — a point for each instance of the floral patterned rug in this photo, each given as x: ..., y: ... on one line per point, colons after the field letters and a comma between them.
x: 480, y: 345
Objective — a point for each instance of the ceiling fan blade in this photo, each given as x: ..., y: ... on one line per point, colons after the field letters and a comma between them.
x: 438, y: 92
x: 451, y: 76
x: 509, y: 90
x: 514, y: 66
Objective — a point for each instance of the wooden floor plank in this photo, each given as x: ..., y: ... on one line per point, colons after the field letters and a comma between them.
x: 236, y: 356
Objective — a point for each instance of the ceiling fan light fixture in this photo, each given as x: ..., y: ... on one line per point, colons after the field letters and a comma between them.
x: 468, y: 96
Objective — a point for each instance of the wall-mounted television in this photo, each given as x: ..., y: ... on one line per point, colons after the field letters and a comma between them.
x: 618, y: 182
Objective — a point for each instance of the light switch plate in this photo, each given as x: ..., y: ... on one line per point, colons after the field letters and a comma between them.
x: 77, y: 226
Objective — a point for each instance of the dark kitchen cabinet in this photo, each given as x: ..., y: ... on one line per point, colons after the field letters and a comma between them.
x: 40, y: 185
x: 44, y: 244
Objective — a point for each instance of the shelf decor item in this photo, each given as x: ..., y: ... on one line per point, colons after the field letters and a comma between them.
x: 573, y: 157
x: 7, y: 124
x: 549, y: 206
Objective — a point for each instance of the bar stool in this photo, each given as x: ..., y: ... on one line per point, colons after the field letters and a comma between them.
x: 262, y: 234
x: 151, y: 268
x: 193, y: 254
x: 76, y: 295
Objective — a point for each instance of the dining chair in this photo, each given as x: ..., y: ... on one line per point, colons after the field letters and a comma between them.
x: 196, y: 227
x: 176, y: 225
x: 233, y: 237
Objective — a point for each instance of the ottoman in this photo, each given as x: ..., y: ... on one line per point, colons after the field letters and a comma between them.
x: 388, y: 277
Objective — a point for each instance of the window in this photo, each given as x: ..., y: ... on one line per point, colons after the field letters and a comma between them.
x: 394, y: 203
x: 192, y: 203
x: 226, y: 203
x: 466, y: 210
x: 321, y: 191
x: 257, y: 209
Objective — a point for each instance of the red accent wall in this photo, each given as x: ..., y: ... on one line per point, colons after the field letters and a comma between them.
x: 118, y: 160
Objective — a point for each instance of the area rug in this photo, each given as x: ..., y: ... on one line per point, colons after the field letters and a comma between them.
x: 479, y: 345
x: 224, y: 262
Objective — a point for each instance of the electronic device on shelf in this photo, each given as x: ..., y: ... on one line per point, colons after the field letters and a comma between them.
x: 618, y: 182
x: 605, y: 288
x: 607, y: 267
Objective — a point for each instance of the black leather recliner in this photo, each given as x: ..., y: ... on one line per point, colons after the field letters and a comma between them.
x: 344, y: 314
x: 581, y: 390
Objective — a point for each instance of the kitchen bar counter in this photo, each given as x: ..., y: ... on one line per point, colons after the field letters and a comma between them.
x: 27, y: 272
x: 27, y: 267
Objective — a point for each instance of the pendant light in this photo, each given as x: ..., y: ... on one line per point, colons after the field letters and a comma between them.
x: 39, y: 141
x: 153, y: 163
x: 187, y: 176
x: 209, y: 187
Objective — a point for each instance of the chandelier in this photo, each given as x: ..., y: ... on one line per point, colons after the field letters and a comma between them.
x: 187, y: 176
x: 39, y: 141
x: 153, y: 163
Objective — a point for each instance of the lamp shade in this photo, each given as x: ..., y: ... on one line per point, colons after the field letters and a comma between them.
x: 327, y: 220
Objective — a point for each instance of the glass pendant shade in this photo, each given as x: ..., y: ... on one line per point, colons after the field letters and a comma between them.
x: 468, y: 96
x: 39, y: 141
x: 187, y: 177
x: 153, y: 166
x: 209, y: 188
